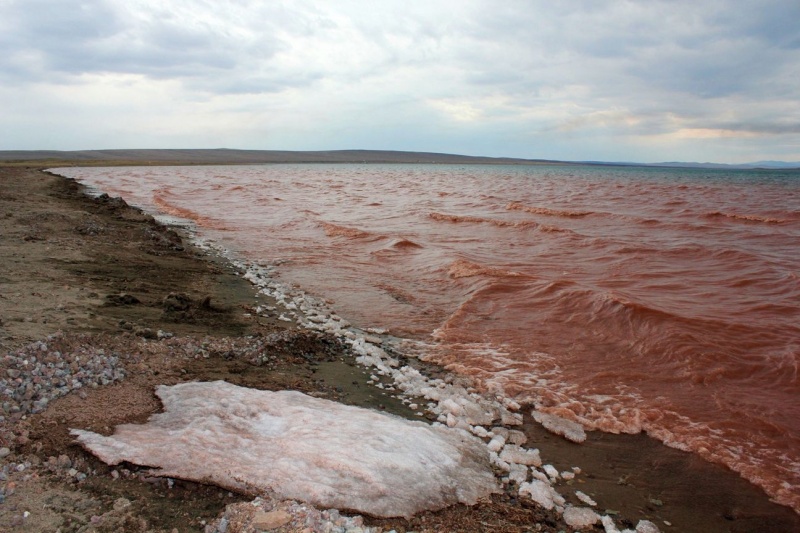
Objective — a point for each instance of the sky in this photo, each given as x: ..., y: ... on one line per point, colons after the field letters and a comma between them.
x: 579, y: 80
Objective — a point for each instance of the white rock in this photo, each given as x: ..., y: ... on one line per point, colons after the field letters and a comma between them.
x: 579, y: 517
x: 538, y: 474
x: 560, y: 426
x: 499, y: 463
x: 518, y: 474
x: 496, y: 444
x: 568, y: 475
x: 517, y: 437
x: 551, y: 471
x: 514, y: 454
x: 585, y: 498
x: 542, y: 493
x: 608, y: 524
x: 477, y: 415
x: 646, y: 526
x: 500, y: 431
x: 510, y: 419
x: 480, y: 431
x: 303, y: 448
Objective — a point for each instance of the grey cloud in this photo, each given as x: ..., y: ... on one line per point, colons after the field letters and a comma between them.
x: 48, y: 39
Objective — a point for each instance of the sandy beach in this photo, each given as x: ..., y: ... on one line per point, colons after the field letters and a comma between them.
x: 142, y: 307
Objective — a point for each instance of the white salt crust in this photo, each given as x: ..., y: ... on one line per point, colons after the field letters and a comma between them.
x: 300, y: 447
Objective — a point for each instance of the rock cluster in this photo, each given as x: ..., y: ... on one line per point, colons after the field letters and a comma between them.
x: 269, y: 513
x: 42, y: 371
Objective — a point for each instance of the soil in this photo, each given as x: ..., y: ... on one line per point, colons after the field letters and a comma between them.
x: 97, y: 274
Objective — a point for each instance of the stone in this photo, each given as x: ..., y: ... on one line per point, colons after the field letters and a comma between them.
x: 646, y: 526
x: 121, y: 503
x: 271, y: 520
x: 568, y: 429
x: 579, y: 517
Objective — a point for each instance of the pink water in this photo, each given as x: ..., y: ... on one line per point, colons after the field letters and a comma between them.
x: 629, y: 299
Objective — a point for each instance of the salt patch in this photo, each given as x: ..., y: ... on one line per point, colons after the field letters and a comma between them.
x: 579, y: 517
x: 646, y: 526
x: 302, y: 448
x: 568, y: 429
x: 542, y: 493
x: 496, y: 444
x: 514, y: 454
x: 551, y: 471
x: 585, y: 498
x: 518, y: 474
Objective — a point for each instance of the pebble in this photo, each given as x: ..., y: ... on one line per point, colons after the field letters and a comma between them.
x: 36, y: 374
x: 271, y: 520
x: 121, y: 503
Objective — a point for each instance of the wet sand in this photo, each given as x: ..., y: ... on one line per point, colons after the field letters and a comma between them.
x: 108, y: 277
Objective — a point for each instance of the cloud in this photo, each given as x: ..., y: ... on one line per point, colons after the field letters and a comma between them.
x: 525, y: 78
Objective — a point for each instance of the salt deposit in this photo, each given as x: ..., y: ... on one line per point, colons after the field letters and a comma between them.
x: 542, y: 493
x: 585, y: 498
x: 646, y: 526
x: 304, y: 448
x: 579, y: 517
x: 514, y: 454
x: 560, y: 426
x: 551, y: 471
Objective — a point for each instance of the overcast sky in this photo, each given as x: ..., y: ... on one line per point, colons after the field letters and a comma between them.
x: 710, y: 80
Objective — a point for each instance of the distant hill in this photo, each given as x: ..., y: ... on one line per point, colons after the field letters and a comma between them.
x: 754, y: 165
x: 226, y: 156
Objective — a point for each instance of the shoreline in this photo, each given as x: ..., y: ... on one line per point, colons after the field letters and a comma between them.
x: 230, y: 318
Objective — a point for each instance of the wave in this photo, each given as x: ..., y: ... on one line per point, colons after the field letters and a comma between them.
x: 522, y: 224
x: 169, y: 208
x: 462, y: 268
x: 746, y: 218
x: 517, y: 206
x: 334, y: 230
x: 404, y: 244
x: 404, y: 297
x: 395, y: 246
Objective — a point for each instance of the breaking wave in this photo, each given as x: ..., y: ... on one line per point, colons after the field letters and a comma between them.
x: 522, y: 224
x: 160, y: 200
x: 517, y: 206
x: 462, y: 268
x: 334, y: 230
x: 746, y: 218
